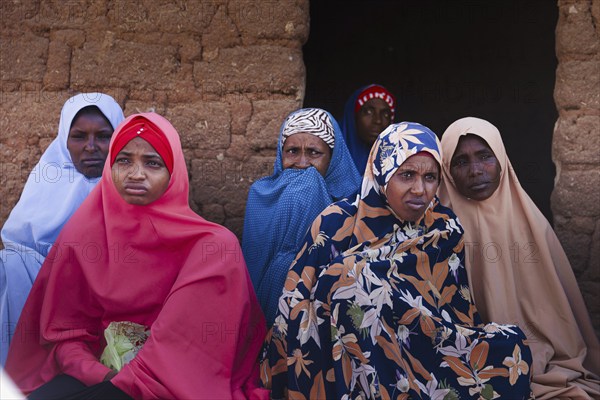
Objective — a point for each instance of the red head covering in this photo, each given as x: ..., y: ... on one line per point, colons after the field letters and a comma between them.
x: 375, y: 92
x: 144, y: 128
x: 159, y: 265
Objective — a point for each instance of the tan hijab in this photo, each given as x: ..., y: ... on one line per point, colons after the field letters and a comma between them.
x: 519, y: 274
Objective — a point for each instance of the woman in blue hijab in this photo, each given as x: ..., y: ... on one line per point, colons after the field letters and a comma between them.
x: 367, y: 113
x: 313, y: 168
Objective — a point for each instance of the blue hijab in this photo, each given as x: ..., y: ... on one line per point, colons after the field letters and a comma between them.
x: 280, y: 209
x: 358, y: 149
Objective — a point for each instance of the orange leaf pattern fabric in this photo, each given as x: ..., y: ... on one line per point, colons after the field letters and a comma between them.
x: 386, y: 310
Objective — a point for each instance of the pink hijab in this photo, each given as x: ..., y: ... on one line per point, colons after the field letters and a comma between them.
x: 519, y: 273
x: 160, y: 265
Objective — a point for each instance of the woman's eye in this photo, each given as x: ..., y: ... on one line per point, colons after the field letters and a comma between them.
x: 458, y: 163
x: 406, y: 174
x: 105, y: 136
x: 431, y: 177
x: 122, y: 160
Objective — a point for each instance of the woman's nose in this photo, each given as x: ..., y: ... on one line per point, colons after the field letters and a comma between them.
x: 90, y: 145
x: 476, y: 168
x: 418, y: 186
x: 303, y: 162
x: 136, y: 172
x: 377, y: 117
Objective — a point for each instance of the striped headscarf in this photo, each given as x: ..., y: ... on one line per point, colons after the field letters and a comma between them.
x: 375, y: 92
x: 313, y: 121
x: 281, y: 207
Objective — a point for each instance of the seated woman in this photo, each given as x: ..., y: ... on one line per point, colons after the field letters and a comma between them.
x: 67, y: 172
x: 312, y: 169
x: 135, y: 255
x: 377, y: 304
x: 517, y: 268
x: 367, y: 113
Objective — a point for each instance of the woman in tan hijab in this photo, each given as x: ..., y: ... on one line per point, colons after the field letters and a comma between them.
x: 517, y: 268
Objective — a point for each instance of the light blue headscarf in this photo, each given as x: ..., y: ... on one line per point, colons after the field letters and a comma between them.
x: 280, y: 209
x: 52, y: 193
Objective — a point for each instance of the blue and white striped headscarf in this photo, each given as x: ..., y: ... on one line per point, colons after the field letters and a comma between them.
x: 313, y: 121
x: 281, y: 207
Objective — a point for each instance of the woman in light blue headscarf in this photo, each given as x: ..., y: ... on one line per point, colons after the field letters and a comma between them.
x: 367, y: 113
x: 313, y: 168
x: 67, y: 172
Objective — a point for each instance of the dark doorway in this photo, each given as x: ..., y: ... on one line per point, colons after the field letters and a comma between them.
x: 446, y: 59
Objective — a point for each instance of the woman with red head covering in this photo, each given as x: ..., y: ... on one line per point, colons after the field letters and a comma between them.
x: 367, y: 113
x: 136, y: 257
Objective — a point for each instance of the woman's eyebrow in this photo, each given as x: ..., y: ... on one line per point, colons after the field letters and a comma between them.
x: 151, y: 155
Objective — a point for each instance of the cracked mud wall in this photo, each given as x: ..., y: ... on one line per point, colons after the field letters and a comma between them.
x: 224, y: 72
x: 576, y: 144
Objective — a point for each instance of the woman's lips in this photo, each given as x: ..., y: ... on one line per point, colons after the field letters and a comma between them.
x: 415, y: 204
x: 135, y: 190
x: 479, y: 186
x: 92, y: 161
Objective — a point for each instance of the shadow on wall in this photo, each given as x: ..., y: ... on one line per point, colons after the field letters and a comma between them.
x: 445, y: 60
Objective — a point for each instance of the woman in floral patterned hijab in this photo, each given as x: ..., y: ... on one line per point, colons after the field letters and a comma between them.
x: 377, y: 302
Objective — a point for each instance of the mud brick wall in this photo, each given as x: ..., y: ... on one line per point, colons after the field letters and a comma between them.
x: 224, y: 72
x: 576, y: 144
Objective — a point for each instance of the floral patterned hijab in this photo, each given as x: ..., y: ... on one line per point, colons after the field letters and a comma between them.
x: 377, y: 307
x: 394, y: 146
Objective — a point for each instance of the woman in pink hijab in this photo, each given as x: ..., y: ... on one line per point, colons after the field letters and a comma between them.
x: 135, y: 256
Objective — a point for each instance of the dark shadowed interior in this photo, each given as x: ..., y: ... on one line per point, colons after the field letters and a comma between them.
x: 445, y: 60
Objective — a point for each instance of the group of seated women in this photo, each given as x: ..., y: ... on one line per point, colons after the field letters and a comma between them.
x: 365, y: 249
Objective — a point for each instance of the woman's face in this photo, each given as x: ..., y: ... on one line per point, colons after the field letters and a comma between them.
x: 475, y: 168
x: 372, y: 118
x: 88, y: 142
x: 413, y: 186
x: 302, y: 150
x: 139, y: 173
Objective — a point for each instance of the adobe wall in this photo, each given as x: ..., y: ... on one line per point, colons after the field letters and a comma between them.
x: 576, y: 144
x: 224, y: 72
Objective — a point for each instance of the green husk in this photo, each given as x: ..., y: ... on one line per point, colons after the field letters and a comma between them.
x: 124, y: 340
